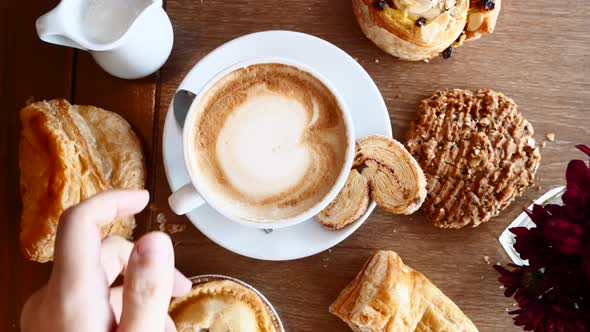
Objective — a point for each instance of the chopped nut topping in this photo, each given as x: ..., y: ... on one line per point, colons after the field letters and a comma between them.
x: 475, y: 152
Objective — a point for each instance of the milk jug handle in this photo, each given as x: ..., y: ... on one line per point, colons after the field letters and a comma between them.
x: 50, y: 28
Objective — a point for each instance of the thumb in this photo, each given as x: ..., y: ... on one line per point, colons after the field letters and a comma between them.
x: 147, y: 288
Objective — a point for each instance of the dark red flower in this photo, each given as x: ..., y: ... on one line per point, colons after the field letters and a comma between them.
x: 567, y: 236
x: 553, y: 291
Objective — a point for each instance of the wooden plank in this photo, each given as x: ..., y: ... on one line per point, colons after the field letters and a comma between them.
x: 135, y: 100
x: 539, y: 61
x: 29, y: 68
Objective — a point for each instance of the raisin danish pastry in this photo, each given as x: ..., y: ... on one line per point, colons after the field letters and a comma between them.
x: 416, y: 30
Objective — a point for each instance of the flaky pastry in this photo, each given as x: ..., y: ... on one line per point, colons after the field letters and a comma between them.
x: 389, y: 296
x: 221, y: 306
x: 67, y: 154
x: 350, y: 204
x: 422, y: 29
x: 382, y: 170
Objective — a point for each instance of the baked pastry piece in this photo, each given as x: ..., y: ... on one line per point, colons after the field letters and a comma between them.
x: 422, y: 29
x: 388, y: 296
x: 389, y: 175
x: 477, y: 151
x: 482, y: 17
x: 221, y: 306
x: 67, y: 154
x: 396, y: 180
x: 350, y: 204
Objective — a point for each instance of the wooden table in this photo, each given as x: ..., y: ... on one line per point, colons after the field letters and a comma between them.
x: 538, y: 55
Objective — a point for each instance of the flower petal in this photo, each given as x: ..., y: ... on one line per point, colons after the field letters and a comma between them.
x: 584, y: 149
x: 577, y: 175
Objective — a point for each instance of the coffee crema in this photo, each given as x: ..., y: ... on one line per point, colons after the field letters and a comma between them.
x: 269, y: 141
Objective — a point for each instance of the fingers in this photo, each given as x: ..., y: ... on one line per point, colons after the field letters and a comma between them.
x: 148, y: 284
x: 78, y: 241
x: 114, y: 255
x: 182, y: 285
x: 116, y: 300
x: 170, y: 326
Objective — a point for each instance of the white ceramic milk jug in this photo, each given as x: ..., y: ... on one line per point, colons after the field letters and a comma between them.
x: 128, y: 38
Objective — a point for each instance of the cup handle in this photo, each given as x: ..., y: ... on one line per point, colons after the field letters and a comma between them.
x: 185, y: 199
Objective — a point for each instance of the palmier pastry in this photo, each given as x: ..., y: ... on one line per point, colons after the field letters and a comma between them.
x: 478, y: 154
x: 67, y: 154
x: 350, y: 204
x: 388, y: 174
x: 389, y: 296
x: 422, y: 29
x: 222, y: 306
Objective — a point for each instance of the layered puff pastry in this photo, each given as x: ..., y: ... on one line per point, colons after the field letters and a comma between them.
x: 388, y: 296
x: 416, y: 30
x: 384, y: 171
x: 67, y: 154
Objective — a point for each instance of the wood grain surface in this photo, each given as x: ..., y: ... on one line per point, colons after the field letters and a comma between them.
x: 538, y: 56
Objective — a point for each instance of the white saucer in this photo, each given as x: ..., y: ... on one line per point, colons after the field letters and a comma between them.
x: 369, y: 114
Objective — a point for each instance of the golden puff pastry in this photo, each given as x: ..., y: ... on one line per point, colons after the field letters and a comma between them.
x: 382, y: 170
x: 388, y: 296
x: 397, y: 182
x: 221, y: 306
x: 416, y: 30
x: 67, y: 154
x: 350, y: 204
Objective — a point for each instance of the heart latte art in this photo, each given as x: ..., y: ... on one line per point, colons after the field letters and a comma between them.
x: 269, y: 141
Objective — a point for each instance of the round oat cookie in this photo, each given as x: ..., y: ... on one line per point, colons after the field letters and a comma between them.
x: 477, y: 152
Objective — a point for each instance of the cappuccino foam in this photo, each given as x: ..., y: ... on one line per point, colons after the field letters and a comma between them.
x: 269, y: 141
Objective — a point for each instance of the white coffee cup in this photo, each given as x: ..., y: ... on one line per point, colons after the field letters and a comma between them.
x: 188, y: 198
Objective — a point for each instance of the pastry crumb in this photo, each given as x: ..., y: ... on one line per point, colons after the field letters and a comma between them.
x: 482, y: 277
x: 486, y: 259
x: 174, y: 228
x: 356, y: 59
x: 544, y: 144
x: 551, y: 137
x: 539, y: 188
x: 395, y: 230
x: 501, y: 287
x: 398, y: 96
x: 376, y: 60
x: 161, y: 221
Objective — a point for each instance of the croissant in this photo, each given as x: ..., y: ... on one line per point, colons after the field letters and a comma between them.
x: 389, y: 296
x: 416, y: 30
x: 67, y: 154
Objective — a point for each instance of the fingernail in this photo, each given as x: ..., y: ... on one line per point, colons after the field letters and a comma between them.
x: 154, y: 247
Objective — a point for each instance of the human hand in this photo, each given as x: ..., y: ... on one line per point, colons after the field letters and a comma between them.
x: 79, y: 296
